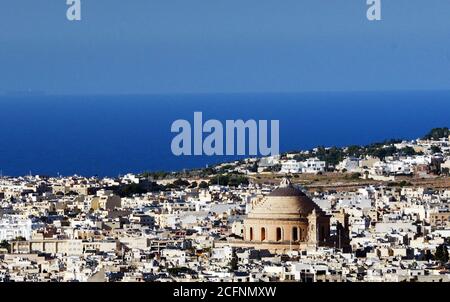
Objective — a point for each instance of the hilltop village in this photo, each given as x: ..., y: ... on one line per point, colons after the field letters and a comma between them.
x: 354, y: 214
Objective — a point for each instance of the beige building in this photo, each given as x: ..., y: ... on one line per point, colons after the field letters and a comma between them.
x: 440, y: 219
x: 71, y: 247
x: 286, y: 219
x: 105, y: 200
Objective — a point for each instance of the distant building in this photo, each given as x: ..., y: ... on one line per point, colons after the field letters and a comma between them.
x: 14, y: 226
x: 313, y: 165
x: 291, y: 166
x: 349, y: 164
x: 105, y: 200
x: 440, y: 219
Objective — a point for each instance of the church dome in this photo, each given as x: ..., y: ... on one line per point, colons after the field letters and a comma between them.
x: 287, y: 202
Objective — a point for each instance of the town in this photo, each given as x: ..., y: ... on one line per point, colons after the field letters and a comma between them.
x: 331, y: 214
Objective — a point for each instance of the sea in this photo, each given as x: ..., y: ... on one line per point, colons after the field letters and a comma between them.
x: 111, y: 135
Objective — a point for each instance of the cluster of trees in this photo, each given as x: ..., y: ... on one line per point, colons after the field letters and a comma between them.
x: 146, y: 187
x: 334, y: 155
x: 5, y: 245
x: 232, y: 180
x: 437, y: 133
x: 354, y: 176
x: 402, y: 183
x: 142, y: 188
x: 441, y: 253
x: 160, y: 175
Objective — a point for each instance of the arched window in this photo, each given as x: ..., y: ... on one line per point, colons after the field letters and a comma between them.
x: 294, y: 234
x: 251, y: 234
x: 301, y: 234
x: 279, y: 234
x: 263, y: 234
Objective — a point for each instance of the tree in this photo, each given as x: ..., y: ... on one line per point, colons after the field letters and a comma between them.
x: 408, y: 151
x: 437, y: 133
x: 441, y: 253
x: 5, y: 245
x: 435, y: 149
x: 203, y: 185
x: 446, y: 171
x: 193, y: 185
x: 232, y: 180
x: 181, y: 183
x: 254, y: 168
x: 428, y: 256
x: 233, y: 262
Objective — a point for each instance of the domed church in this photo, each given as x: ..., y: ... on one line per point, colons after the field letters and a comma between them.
x: 286, y: 219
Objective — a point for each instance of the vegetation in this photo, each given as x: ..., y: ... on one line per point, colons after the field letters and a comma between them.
x: 132, y: 189
x: 5, y: 245
x: 435, y: 149
x: 155, y: 175
x: 203, y: 185
x: 354, y: 176
x: 334, y: 155
x: 274, y: 168
x: 441, y: 253
x: 193, y: 185
x: 437, y: 133
x: 402, y: 183
x: 175, y: 271
x: 233, y: 265
x: 331, y: 155
x: 445, y: 171
x: 409, y: 151
x: 181, y: 183
x: 232, y: 180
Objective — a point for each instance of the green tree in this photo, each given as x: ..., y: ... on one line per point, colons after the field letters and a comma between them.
x: 193, y: 185
x: 181, y: 183
x: 203, y: 185
x: 435, y: 149
x: 437, y: 133
x: 408, y: 151
x: 5, y: 245
x: 232, y: 180
x: 254, y: 168
x: 441, y: 253
x: 233, y: 262
x: 446, y: 171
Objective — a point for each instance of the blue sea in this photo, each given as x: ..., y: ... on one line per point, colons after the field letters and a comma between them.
x: 113, y: 135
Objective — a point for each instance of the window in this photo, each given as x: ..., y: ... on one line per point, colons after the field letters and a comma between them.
x: 263, y: 234
x: 322, y: 233
x: 251, y: 234
x: 279, y: 235
x: 295, y: 234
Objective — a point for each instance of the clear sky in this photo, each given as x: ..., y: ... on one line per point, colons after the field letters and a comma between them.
x: 208, y: 46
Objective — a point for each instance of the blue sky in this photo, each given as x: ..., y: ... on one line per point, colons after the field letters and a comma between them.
x: 209, y: 46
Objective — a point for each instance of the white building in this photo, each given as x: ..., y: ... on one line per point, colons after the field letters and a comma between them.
x: 350, y: 164
x: 291, y: 166
x: 392, y: 168
x: 13, y: 226
x: 313, y: 165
